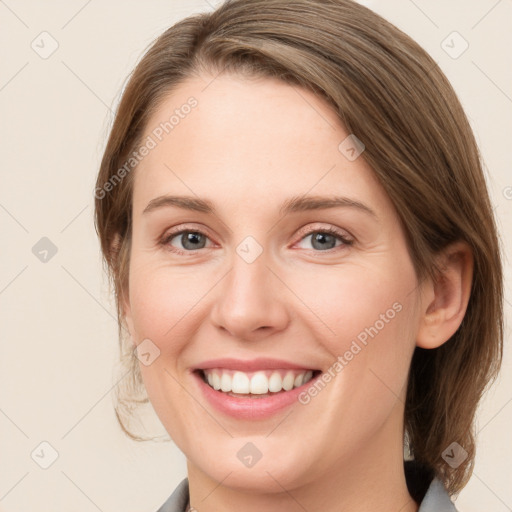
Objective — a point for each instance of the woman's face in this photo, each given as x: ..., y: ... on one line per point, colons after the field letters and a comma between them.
x: 257, y: 293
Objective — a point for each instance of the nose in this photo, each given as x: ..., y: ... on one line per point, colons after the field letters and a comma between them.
x: 251, y: 301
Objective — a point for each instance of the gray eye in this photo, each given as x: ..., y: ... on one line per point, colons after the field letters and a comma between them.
x: 190, y: 240
x: 323, y: 241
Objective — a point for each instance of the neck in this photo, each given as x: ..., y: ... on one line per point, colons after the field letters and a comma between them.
x: 370, y: 478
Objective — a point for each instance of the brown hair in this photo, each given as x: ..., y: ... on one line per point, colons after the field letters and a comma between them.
x: 392, y: 95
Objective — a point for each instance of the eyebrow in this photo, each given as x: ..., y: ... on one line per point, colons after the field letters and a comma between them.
x: 291, y: 205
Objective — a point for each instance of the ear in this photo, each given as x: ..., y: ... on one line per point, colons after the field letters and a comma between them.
x: 444, y: 302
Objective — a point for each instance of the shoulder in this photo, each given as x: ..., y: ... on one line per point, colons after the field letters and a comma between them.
x: 178, y: 500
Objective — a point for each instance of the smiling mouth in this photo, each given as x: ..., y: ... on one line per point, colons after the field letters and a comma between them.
x: 258, y: 384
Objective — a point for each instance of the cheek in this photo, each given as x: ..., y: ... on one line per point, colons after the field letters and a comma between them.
x: 162, y: 308
x: 160, y: 298
x: 365, y: 315
x: 356, y: 303
x: 368, y: 320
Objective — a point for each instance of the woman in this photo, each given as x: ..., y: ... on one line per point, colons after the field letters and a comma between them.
x: 306, y: 265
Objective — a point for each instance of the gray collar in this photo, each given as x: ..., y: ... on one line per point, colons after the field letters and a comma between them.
x: 436, y: 499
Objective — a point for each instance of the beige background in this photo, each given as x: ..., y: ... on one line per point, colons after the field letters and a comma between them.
x: 59, y: 340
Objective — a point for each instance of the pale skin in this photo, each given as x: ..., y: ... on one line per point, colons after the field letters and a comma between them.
x: 247, y: 147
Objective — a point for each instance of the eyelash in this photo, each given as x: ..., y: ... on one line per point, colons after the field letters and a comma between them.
x: 330, y: 231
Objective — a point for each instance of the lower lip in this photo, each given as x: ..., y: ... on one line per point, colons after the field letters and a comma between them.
x: 250, y: 408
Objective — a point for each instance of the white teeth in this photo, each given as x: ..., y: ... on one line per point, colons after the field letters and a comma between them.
x: 275, y: 383
x: 288, y: 381
x: 240, y: 383
x: 256, y: 383
x: 216, y: 381
x: 259, y: 384
x: 225, y: 382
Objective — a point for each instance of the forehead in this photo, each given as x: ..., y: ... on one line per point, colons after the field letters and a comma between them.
x: 229, y: 137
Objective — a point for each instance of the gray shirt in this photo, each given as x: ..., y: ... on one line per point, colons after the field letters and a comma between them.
x: 436, y: 499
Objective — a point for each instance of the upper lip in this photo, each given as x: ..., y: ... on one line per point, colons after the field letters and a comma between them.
x: 250, y: 365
